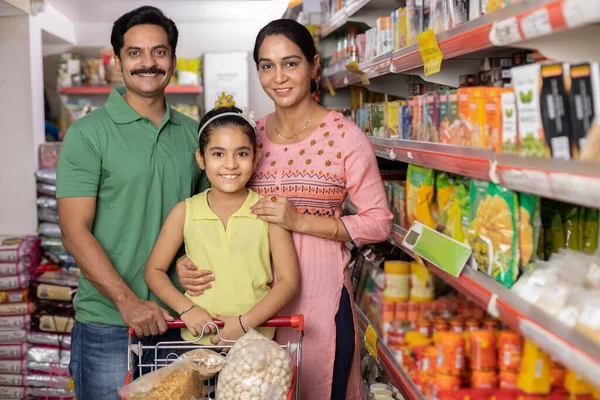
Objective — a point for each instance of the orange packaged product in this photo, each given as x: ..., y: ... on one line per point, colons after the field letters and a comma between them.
x: 464, y: 127
x: 493, y: 118
x: 472, y: 325
x: 425, y: 326
x: 387, y: 316
x: 490, y: 325
x: 412, y: 311
x: 451, y: 353
x: 440, y: 326
x: 476, y: 116
x: 445, y: 383
x: 426, y: 363
x: 483, y: 351
x: 457, y: 324
x: 557, y: 375
x: 425, y: 309
x: 484, y: 380
x: 510, y: 350
x: 508, y: 380
x: 401, y: 311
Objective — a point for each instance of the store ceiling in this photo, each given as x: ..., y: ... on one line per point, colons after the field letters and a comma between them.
x: 181, y: 11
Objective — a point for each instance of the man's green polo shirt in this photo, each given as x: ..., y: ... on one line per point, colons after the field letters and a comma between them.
x: 137, y: 174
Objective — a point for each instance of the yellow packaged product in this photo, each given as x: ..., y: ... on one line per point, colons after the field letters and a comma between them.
x: 419, y: 195
x: 576, y: 385
x: 459, y: 211
x: 397, y: 280
x: 444, y: 186
x: 422, y: 287
x: 534, y: 376
x: 390, y: 119
x: 476, y: 116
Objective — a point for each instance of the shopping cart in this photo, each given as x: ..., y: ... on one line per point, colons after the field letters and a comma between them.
x: 137, y: 349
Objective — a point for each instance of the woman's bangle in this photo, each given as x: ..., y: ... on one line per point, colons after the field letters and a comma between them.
x: 335, y: 231
x: 240, y: 318
x: 187, y: 309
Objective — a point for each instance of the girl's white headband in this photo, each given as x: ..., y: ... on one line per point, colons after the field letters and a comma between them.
x: 247, y: 115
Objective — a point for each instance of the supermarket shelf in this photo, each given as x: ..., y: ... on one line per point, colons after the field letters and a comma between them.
x: 572, y: 181
x: 346, y: 14
x: 388, y: 362
x: 461, y: 160
x: 105, y: 90
x: 571, y: 348
x: 523, y: 21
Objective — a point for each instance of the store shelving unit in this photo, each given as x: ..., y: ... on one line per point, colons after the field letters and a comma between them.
x: 105, y: 90
x: 390, y: 365
x: 351, y: 14
x: 575, y: 182
x: 571, y: 348
x: 517, y: 24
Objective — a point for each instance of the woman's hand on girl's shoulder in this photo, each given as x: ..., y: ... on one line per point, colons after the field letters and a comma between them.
x: 278, y: 210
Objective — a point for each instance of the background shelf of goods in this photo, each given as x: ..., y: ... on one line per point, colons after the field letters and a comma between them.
x: 39, y: 363
x: 444, y: 346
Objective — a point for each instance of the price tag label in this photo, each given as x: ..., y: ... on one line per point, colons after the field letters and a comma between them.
x: 536, y: 24
x: 430, y: 52
x: 353, y: 67
x: 505, y: 32
x: 371, y: 341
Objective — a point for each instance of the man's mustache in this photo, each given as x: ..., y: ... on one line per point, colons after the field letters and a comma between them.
x: 154, y: 70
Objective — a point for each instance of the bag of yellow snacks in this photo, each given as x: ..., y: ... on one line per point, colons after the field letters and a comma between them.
x: 419, y: 195
x: 494, y: 237
x: 529, y: 224
x: 444, y: 187
x: 458, y: 214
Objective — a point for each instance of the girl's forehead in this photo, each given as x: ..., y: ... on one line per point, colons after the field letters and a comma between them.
x: 228, y: 134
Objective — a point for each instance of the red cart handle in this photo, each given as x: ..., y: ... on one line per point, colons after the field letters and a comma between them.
x: 294, y: 321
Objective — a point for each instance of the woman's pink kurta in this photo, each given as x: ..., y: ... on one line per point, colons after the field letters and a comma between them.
x: 316, y: 175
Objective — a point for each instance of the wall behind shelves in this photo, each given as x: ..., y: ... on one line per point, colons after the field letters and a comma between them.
x: 22, y: 122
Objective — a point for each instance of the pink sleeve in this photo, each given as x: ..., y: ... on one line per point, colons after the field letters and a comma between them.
x: 373, y: 220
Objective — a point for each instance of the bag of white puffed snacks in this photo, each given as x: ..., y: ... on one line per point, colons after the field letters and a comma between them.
x: 257, y: 368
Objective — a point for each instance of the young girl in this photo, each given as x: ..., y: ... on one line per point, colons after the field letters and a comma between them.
x: 222, y: 235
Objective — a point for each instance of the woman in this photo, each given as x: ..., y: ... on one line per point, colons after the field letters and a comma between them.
x: 312, y: 159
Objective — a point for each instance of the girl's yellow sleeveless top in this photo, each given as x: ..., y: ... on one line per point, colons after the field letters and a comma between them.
x: 239, y: 258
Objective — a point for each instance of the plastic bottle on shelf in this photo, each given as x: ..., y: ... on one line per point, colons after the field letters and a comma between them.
x: 397, y: 281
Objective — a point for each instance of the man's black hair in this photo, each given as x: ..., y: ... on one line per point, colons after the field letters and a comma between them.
x: 140, y: 16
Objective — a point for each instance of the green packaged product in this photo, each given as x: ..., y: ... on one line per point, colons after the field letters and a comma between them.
x: 554, y: 232
x: 495, y: 234
x: 572, y: 220
x: 444, y: 187
x: 590, y: 231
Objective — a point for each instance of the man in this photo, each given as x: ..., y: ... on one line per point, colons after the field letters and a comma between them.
x: 121, y: 170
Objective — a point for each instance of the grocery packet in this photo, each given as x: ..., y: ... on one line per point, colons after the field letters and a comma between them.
x: 494, y: 232
x: 419, y: 195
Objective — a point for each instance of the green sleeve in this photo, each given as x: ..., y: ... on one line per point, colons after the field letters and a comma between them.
x: 203, y: 183
x: 79, y: 166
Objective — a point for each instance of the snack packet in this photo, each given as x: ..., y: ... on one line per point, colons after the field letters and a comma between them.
x: 419, y: 195
x: 495, y: 234
x: 181, y: 380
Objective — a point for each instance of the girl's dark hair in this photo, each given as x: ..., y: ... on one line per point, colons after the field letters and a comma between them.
x: 294, y: 31
x: 140, y: 16
x: 222, y: 122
